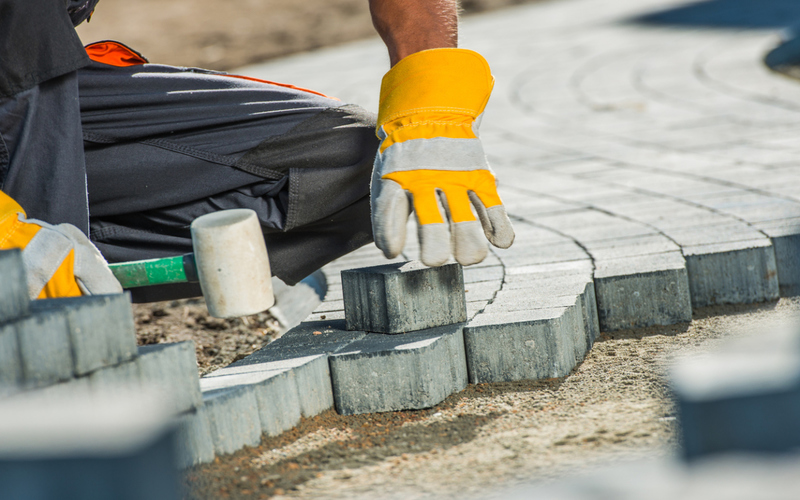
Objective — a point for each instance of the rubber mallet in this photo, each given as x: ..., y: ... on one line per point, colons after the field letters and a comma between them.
x: 229, y: 260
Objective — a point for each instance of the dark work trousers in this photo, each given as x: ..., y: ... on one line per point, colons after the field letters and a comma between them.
x: 165, y: 145
x: 41, y: 152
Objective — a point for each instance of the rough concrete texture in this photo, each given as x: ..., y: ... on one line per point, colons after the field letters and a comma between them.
x: 44, y: 348
x: 399, y: 298
x: 171, y: 369
x: 109, y: 378
x: 194, y: 442
x: 386, y: 372
x: 787, y: 258
x: 233, y: 420
x: 10, y: 364
x: 100, y: 329
x: 13, y: 288
x: 732, y: 273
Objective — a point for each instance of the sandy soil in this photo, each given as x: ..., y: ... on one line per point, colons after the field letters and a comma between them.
x: 226, y: 35
x: 614, y: 406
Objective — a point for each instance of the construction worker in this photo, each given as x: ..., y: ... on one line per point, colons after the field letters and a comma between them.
x: 129, y: 153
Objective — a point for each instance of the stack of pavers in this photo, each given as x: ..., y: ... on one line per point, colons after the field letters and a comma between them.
x: 408, y: 338
x: 57, y: 348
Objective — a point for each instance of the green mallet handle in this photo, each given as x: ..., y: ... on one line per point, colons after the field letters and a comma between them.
x: 179, y: 269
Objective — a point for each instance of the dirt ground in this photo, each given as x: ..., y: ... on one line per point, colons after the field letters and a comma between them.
x: 615, y: 406
x: 226, y: 35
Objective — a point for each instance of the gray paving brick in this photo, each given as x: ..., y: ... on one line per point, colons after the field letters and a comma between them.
x: 101, y: 329
x: 481, y: 274
x: 484, y: 290
x: 10, y: 363
x: 303, y: 351
x: 171, y: 369
x: 732, y: 273
x: 398, y: 298
x: 194, y: 443
x: 787, y: 259
x: 725, y: 398
x: 523, y: 345
x: 112, y: 378
x: 642, y: 291
x: 274, y: 391
x: 14, y: 287
x: 43, y: 340
x: 399, y: 372
x: 233, y: 419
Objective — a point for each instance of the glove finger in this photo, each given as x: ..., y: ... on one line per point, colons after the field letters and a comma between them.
x: 389, y: 216
x: 496, y: 224
x: 469, y: 245
x: 467, y: 241
x: 434, y: 243
x: 91, y: 269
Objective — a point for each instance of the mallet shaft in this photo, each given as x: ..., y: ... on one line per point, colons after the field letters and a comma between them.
x: 178, y: 269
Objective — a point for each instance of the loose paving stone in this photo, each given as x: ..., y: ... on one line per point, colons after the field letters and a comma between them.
x: 743, y: 397
x: 399, y: 372
x: 642, y: 291
x: 232, y: 418
x: 10, y: 364
x: 117, y: 446
x: 171, y: 369
x: 14, y: 287
x: 194, y: 442
x: 101, y: 329
x: 739, y: 272
x: 398, y: 298
x: 44, y: 348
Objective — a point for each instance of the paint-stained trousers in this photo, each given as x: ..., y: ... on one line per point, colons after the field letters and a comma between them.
x: 164, y: 145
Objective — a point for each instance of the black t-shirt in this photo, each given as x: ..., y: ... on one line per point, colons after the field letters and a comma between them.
x: 37, y: 43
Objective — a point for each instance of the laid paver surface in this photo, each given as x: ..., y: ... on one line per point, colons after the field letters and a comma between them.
x: 645, y: 154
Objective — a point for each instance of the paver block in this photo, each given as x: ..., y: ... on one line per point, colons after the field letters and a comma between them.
x: 303, y: 350
x: 101, y: 329
x: 171, y: 369
x: 740, y: 399
x: 194, y: 443
x: 531, y: 344
x: 116, y: 446
x: 732, y: 273
x: 642, y: 291
x: 275, y: 393
x: 232, y: 418
x: 10, y: 363
x: 14, y: 298
x: 403, y: 297
x: 44, y: 348
x: 110, y: 378
x: 787, y: 259
x: 388, y: 373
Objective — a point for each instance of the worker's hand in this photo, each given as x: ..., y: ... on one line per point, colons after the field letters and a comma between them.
x: 59, y: 261
x: 430, y: 107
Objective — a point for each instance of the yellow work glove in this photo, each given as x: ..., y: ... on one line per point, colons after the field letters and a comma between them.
x: 59, y: 261
x: 430, y: 108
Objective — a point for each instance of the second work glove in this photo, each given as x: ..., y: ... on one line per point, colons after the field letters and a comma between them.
x: 59, y: 261
x: 430, y: 108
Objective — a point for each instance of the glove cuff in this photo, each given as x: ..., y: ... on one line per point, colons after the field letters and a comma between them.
x: 455, y: 81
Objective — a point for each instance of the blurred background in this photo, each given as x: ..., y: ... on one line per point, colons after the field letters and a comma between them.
x: 227, y: 35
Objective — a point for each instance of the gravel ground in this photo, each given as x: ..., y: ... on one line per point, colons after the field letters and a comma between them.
x: 614, y: 406
x: 218, y: 342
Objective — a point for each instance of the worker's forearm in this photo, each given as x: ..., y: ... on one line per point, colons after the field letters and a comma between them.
x: 409, y: 26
